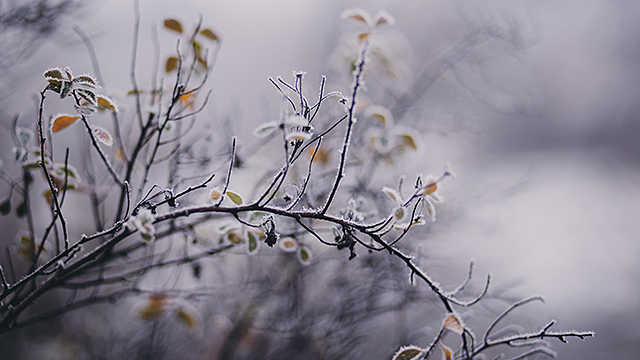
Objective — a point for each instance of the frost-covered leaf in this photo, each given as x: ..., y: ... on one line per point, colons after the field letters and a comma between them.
x: 209, y: 34
x: 19, y: 153
x: 447, y: 353
x: 454, y: 323
x: 70, y: 171
x: 216, y: 194
x: 106, y: 103
x: 235, y: 237
x: 253, y: 242
x: 383, y: 17
x: 172, y: 64
x: 143, y: 222
x: 85, y: 109
x: 257, y: 216
x: 304, y: 255
x: 65, y: 89
x: 408, y: 353
x: 86, y: 81
x: 25, y: 135
x: 381, y: 114
x: 88, y: 95
x: 62, y: 121
x: 265, y: 129
x: 408, y: 140
x: 101, y: 134
x: 296, y: 120
x: 188, y: 317
x: 54, y: 74
x: 357, y: 15
x: 363, y: 37
x: 400, y: 213
x: 236, y: 198
x: 288, y: 244
x: 298, y: 135
x: 173, y: 24
x: 392, y: 194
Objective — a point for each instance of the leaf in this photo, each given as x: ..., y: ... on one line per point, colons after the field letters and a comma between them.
x: 447, y: 353
x: 85, y: 109
x: 408, y: 140
x: 187, y: 317
x: 298, y: 135
x: 253, y: 242
x: 102, y: 135
x: 209, y: 34
x: 173, y: 24
x: 392, y: 194
x: 106, y: 103
x: 305, y: 255
x: 288, y: 244
x: 234, y: 237
x: 236, y: 198
x: 69, y: 170
x: 86, y: 81
x: 19, y: 153
x: 454, y: 323
x: 25, y: 135
x: 65, y: 89
x: 216, y: 194
x: 265, y: 129
x: 154, y: 308
x: 358, y: 15
x: 88, y: 95
x: 26, y: 247
x: 383, y: 17
x: 54, y: 74
x: 363, y: 37
x: 62, y: 121
x: 408, y: 353
x: 257, y: 216
x: 172, y: 64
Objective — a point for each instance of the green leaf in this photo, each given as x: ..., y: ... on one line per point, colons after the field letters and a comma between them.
x: 19, y: 153
x: 253, y: 243
x: 236, y: 198
x: 69, y: 170
x: 305, y: 255
x: 173, y: 24
x: 86, y: 81
x: 256, y: 216
x: 209, y: 34
x: 172, y: 64
x: 25, y: 135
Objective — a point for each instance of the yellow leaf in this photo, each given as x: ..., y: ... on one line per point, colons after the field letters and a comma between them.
x: 173, y: 24
x: 189, y: 319
x: 408, y: 353
x: 408, y: 141
x: 172, y: 64
x: 234, y: 237
x: 363, y: 37
x: 236, y: 198
x: 208, y: 33
x: 216, y: 193
x: 447, y: 353
x: 106, y: 103
x: 305, y: 255
x: 154, y: 308
x: 63, y: 121
x: 453, y: 323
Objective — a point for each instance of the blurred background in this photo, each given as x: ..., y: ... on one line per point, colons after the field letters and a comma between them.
x: 537, y: 116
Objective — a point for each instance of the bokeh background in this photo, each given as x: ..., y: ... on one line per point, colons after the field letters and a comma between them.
x: 542, y: 130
